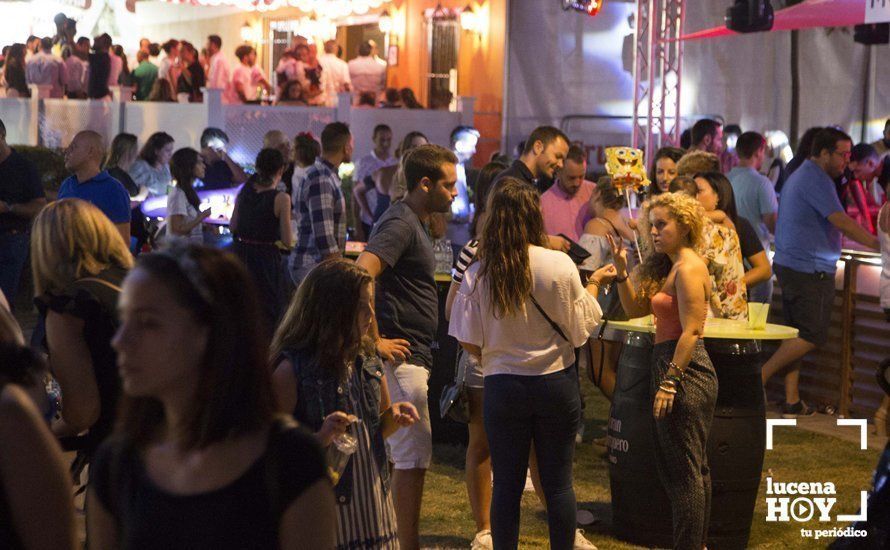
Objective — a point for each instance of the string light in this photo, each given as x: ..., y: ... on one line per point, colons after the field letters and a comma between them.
x: 329, y: 9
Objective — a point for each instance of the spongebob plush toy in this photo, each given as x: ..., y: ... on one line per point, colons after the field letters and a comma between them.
x: 627, y: 168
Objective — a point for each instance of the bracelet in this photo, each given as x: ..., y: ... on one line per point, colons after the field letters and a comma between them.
x: 621, y: 279
x: 594, y: 283
x: 674, y: 366
x: 670, y: 390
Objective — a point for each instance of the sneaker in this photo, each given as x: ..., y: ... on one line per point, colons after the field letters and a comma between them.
x: 797, y: 409
x: 482, y: 541
x: 582, y: 543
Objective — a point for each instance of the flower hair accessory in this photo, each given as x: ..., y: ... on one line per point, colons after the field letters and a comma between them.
x: 306, y: 134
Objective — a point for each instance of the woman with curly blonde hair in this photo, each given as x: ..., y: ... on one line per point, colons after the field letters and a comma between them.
x: 673, y: 284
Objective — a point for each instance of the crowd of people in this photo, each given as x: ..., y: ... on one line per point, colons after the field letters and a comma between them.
x: 179, y: 71
x: 176, y: 371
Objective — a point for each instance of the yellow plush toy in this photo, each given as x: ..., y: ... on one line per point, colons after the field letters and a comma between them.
x: 627, y: 168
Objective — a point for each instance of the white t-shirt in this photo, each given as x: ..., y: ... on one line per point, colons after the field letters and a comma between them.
x: 526, y: 344
x: 178, y: 204
x: 337, y: 76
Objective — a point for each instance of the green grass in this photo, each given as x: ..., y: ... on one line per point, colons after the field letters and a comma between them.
x: 801, y: 456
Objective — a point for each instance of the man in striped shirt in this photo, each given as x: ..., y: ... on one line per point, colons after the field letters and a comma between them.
x: 319, y: 207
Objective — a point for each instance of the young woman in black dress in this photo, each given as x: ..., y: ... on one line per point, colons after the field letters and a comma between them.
x: 199, y: 459
x: 260, y: 221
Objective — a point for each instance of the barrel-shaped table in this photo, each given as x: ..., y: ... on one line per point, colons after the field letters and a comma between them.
x: 641, y: 512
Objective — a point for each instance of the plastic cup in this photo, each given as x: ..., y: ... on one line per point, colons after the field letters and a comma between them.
x: 757, y: 314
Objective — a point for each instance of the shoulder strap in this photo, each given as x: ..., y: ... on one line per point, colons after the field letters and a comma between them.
x: 549, y: 320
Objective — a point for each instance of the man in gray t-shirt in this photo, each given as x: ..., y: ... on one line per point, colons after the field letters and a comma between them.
x: 400, y: 257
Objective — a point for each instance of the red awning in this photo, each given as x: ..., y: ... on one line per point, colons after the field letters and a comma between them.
x: 808, y: 14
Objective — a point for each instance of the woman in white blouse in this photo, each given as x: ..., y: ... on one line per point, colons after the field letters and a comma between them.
x: 184, y: 216
x: 523, y: 309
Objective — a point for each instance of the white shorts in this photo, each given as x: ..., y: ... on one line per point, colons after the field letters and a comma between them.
x: 412, y: 447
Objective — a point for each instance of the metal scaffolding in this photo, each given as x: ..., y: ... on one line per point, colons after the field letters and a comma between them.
x: 658, y: 64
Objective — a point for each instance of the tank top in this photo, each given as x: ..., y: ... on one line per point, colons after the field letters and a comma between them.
x: 257, y: 223
x: 667, y: 317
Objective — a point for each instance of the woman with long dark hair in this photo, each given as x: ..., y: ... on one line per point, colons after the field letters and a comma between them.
x: 14, y: 72
x: 152, y: 169
x: 184, y: 214
x: 199, y: 458
x: 523, y: 310
x: 261, y: 219
x: 664, y: 169
x: 330, y: 378
x: 673, y: 284
x: 750, y: 245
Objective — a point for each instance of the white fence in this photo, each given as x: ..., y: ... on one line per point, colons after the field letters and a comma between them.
x: 54, y: 122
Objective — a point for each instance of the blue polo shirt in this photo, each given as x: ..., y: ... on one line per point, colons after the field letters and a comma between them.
x: 103, y: 191
x: 805, y: 240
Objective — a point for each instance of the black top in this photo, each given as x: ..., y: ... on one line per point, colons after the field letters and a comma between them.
x: 191, y: 81
x: 748, y: 239
x: 100, y: 69
x: 19, y: 183
x: 521, y: 172
x: 122, y: 176
x: 257, y: 222
x: 93, y: 299
x: 218, y: 175
x: 407, y: 301
x: 16, y: 79
x: 287, y: 178
x: 243, y: 515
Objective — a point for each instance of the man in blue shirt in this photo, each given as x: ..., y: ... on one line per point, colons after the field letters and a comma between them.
x: 90, y: 183
x: 755, y: 200
x: 808, y: 246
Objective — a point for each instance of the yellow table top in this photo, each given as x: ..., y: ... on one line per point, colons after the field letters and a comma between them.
x: 727, y: 329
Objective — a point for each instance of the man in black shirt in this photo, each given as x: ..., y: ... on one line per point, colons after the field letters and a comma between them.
x: 21, y: 198
x: 221, y: 172
x: 543, y: 155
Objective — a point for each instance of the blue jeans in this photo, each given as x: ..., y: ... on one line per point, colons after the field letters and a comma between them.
x: 518, y: 410
x: 13, y: 255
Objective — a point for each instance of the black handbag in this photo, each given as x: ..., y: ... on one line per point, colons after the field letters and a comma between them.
x: 454, y: 403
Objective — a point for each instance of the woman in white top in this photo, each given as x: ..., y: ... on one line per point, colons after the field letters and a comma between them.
x: 184, y: 216
x: 152, y: 169
x: 523, y: 309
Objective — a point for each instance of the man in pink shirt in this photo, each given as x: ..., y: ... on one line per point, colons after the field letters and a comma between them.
x: 219, y: 75
x: 566, y: 205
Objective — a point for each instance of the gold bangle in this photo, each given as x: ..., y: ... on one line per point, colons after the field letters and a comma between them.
x: 595, y: 283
